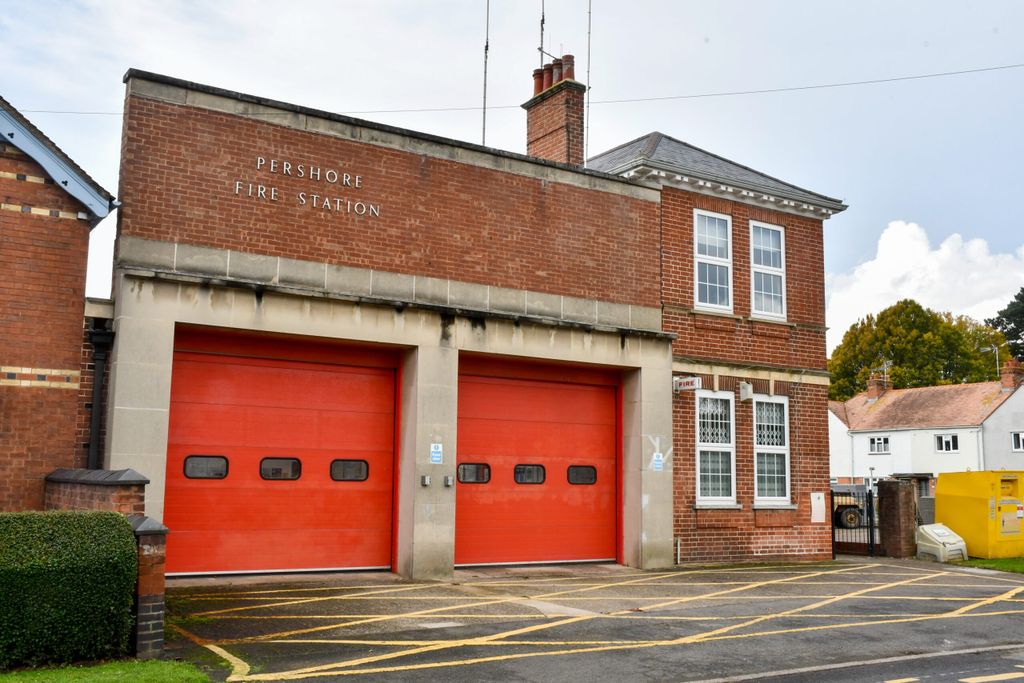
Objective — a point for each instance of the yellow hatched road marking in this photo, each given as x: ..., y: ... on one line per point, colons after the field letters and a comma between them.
x: 580, y: 650
x: 241, y: 671
x: 322, y: 670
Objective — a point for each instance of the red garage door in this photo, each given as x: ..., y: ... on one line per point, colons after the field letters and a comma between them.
x: 276, y: 463
x: 537, y: 465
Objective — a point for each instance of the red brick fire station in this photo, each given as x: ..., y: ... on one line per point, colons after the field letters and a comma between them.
x: 338, y: 344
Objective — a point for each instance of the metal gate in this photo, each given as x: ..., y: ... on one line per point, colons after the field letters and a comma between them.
x: 854, y: 523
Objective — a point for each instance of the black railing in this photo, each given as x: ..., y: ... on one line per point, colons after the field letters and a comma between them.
x: 854, y: 523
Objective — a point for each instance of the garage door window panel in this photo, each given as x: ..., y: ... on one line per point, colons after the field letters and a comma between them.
x: 716, y: 448
x: 350, y: 470
x: 286, y: 469
x: 771, y: 450
x: 206, y: 467
x: 582, y: 475
x: 529, y: 474
x: 474, y: 473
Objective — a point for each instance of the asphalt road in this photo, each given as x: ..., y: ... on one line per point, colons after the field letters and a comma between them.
x: 859, y: 620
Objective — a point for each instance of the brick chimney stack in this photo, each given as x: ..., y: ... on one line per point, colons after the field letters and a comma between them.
x: 554, y: 115
x: 877, y: 386
x: 1012, y: 375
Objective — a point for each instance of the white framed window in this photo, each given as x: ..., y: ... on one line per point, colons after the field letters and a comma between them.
x: 1017, y: 442
x: 767, y: 270
x: 878, y: 444
x: 712, y: 263
x: 716, y: 448
x: 947, y: 443
x: 771, y: 450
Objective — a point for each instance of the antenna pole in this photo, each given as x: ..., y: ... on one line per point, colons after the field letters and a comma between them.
x: 487, y: 47
x: 540, y: 48
x: 586, y: 123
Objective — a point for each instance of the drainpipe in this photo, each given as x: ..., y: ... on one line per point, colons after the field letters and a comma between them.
x: 101, y: 339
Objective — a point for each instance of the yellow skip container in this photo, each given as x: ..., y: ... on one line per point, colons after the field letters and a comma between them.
x: 985, y: 509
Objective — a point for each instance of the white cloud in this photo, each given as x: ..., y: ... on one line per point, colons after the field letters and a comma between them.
x: 962, y: 277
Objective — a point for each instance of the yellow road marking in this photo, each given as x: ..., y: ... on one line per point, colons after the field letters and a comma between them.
x: 483, y: 602
x: 240, y: 670
x: 375, y: 594
x: 523, y: 630
x: 238, y: 666
x: 581, y: 650
x: 902, y: 680
x: 995, y: 677
x: 786, y: 613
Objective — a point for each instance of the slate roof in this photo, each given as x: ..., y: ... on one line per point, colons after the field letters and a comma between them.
x: 951, y: 405
x: 668, y: 153
x: 41, y: 138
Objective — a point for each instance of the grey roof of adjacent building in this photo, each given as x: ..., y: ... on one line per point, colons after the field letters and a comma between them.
x: 669, y: 154
x: 66, y: 174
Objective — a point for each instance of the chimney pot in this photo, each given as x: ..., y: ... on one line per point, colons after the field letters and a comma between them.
x: 538, y: 81
x: 877, y: 386
x: 556, y: 71
x: 568, y: 68
x: 554, y: 115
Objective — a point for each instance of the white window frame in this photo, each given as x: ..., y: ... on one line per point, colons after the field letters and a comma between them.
x: 715, y: 261
x: 942, y: 440
x: 877, y: 451
x: 782, y: 450
x: 768, y: 270
x: 700, y: 446
x: 1017, y: 442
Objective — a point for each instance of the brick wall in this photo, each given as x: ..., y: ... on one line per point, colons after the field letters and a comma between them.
x: 42, y: 297
x: 436, y: 217
x: 725, y: 535
x: 799, y: 343
x: 897, y: 517
x: 554, y: 124
x: 128, y: 500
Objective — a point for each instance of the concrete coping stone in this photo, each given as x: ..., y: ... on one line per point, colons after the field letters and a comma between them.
x: 396, y: 303
x: 128, y: 477
x: 147, y: 526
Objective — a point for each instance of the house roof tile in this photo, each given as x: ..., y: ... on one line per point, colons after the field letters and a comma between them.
x: 951, y: 405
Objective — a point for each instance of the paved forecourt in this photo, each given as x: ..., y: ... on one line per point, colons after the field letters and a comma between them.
x: 599, y: 622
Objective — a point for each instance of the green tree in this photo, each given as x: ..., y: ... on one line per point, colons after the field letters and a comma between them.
x: 924, y: 348
x: 1010, y: 321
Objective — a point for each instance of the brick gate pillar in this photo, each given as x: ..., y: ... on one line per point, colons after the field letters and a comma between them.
x: 897, y: 518
x: 151, y: 537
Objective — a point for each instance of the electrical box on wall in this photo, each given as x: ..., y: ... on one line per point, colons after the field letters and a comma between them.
x: 746, y: 391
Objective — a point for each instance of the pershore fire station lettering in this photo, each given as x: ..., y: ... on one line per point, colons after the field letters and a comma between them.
x: 312, y: 173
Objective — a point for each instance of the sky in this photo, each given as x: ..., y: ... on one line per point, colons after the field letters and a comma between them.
x: 929, y: 167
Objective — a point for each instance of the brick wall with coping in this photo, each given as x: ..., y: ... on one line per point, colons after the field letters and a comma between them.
x: 123, y: 491
x: 438, y: 217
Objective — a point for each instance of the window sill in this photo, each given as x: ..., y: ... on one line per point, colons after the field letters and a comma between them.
x: 765, y: 318
x: 720, y: 312
x: 717, y: 506
x: 775, y: 506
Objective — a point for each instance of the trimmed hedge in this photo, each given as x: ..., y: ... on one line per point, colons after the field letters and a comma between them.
x: 67, y: 582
